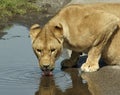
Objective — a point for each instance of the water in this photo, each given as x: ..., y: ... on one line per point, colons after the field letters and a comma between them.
x: 18, y: 65
x: 20, y: 73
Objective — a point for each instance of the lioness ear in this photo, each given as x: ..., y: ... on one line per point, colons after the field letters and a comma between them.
x: 58, y: 26
x: 34, y: 30
x: 59, y: 33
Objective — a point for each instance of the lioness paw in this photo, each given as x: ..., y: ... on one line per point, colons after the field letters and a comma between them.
x: 67, y: 63
x: 87, y: 67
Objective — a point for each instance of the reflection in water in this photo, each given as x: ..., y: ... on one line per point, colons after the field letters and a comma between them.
x: 2, y: 34
x: 47, y: 86
x: 73, y: 84
x: 3, y: 28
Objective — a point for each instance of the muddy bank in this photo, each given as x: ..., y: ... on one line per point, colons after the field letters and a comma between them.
x: 106, y: 81
x: 47, y: 9
x: 51, y: 6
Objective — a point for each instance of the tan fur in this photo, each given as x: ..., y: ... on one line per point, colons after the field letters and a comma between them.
x: 92, y: 29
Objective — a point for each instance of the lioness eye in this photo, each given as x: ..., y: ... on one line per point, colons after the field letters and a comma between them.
x: 39, y: 50
x: 52, y: 50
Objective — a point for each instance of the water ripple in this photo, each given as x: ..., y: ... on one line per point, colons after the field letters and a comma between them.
x: 12, y: 76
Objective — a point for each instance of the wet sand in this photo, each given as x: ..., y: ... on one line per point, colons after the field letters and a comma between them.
x: 106, y: 81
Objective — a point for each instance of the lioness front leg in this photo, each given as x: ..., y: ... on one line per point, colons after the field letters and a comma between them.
x: 91, y: 63
x: 72, y: 61
x: 99, y: 44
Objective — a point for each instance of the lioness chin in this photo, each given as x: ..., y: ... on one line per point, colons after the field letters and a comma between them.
x: 93, y: 29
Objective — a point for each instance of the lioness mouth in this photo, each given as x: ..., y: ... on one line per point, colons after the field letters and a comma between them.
x: 47, y: 73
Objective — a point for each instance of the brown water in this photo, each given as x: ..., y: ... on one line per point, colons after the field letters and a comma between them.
x: 20, y: 73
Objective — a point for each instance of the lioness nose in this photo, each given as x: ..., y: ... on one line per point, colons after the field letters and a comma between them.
x: 46, y: 66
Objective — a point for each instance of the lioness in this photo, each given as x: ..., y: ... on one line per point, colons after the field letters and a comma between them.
x: 93, y: 29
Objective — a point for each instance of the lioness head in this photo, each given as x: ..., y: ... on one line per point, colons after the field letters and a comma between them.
x: 47, y: 44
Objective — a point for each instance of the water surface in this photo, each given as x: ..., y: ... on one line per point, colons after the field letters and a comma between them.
x: 20, y: 73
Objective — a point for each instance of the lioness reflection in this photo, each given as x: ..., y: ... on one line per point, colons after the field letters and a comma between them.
x: 49, y: 86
